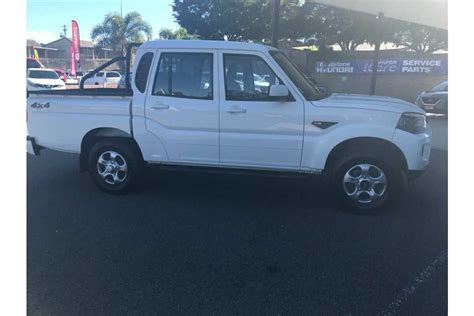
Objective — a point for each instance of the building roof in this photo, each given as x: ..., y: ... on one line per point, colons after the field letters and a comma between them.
x: 30, y: 42
x: 83, y: 43
x: 202, y: 44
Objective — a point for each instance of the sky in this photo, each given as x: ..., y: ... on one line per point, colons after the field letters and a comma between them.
x: 45, y: 18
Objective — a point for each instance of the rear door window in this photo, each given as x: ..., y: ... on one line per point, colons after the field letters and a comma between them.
x: 184, y: 75
x: 143, y: 69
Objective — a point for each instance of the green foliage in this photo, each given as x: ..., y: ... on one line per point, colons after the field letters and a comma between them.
x: 235, y: 19
x: 422, y: 39
x: 116, y: 31
x: 180, y: 33
x: 250, y: 20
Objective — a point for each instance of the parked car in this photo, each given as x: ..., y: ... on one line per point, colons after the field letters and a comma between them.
x: 74, y: 80
x: 435, y: 100
x: 102, y: 78
x: 187, y: 110
x: 260, y: 83
x: 44, y: 79
x: 33, y: 63
x: 71, y: 80
x: 61, y: 73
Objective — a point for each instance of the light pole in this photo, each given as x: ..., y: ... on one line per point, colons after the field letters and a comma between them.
x: 275, y: 22
x: 375, y: 63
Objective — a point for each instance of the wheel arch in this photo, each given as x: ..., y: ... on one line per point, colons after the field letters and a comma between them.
x: 382, y: 146
x: 94, y: 135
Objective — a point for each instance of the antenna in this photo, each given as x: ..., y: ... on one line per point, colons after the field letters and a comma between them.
x: 64, y: 31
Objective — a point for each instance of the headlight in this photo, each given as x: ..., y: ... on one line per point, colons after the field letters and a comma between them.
x: 414, y: 123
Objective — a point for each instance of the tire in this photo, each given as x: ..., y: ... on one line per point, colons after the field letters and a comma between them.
x: 114, y: 165
x: 366, y: 182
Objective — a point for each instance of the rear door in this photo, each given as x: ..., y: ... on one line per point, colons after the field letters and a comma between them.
x: 182, y: 106
x: 256, y: 130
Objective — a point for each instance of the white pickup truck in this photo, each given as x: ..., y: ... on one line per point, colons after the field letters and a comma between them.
x: 204, y: 103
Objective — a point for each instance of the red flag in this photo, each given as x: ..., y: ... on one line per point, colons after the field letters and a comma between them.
x: 75, y: 46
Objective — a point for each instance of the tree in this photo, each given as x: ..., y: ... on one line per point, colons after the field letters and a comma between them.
x: 234, y: 19
x: 240, y: 20
x: 251, y: 20
x: 335, y: 26
x: 116, y: 31
x: 180, y: 33
x: 422, y: 38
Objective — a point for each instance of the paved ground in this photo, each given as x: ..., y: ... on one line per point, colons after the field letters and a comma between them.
x: 193, y: 243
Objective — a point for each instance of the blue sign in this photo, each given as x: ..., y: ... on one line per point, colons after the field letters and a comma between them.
x: 385, y: 66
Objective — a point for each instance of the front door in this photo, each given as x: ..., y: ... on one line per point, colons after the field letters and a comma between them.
x: 182, y: 107
x: 256, y: 130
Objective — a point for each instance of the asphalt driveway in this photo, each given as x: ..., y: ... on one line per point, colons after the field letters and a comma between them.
x: 193, y: 243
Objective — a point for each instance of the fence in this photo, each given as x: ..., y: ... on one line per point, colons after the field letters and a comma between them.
x: 86, y: 64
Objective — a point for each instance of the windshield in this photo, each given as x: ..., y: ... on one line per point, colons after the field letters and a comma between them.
x: 43, y: 74
x: 443, y: 86
x: 304, y: 85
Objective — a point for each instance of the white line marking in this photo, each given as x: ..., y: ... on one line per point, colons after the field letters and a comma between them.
x: 419, y: 280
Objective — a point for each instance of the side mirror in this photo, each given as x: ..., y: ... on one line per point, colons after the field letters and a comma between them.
x: 278, y: 91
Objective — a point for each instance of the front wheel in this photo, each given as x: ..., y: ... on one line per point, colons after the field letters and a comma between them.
x: 114, y: 166
x: 367, y: 183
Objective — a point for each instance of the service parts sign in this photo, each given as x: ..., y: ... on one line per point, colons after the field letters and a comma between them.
x: 437, y: 66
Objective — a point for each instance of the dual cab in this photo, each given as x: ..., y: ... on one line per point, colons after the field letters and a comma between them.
x: 233, y: 105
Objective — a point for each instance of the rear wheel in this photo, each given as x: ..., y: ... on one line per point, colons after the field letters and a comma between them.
x: 114, y: 165
x: 367, y: 183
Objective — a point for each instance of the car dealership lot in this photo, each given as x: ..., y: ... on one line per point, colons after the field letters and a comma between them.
x: 199, y: 243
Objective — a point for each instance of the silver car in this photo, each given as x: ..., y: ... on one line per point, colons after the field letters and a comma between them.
x: 435, y: 100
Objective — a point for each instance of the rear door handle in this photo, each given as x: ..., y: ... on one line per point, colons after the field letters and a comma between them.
x: 236, y: 110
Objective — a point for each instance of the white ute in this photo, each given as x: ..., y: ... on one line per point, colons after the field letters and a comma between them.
x: 204, y: 103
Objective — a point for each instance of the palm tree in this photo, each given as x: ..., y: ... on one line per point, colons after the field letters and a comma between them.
x: 180, y: 33
x: 116, y: 31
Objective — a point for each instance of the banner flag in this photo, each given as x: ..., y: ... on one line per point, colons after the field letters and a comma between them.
x: 75, y: 46
x: 35, y: 52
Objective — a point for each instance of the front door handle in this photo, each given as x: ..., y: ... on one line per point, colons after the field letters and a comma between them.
x: 160, y: 107
x: 236, y: 110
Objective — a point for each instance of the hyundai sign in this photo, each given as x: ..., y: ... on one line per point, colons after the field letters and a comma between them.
x: 386, y: 66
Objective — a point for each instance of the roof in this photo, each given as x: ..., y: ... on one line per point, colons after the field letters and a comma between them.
x: 30, y: 42
x: 83, y: 43
x: 202, y: 44
x: 425, y: 12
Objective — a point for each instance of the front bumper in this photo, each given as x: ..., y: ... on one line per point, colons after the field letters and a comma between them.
x: 31, y: 147
x: 415, y: 147
x: 439, y: 106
